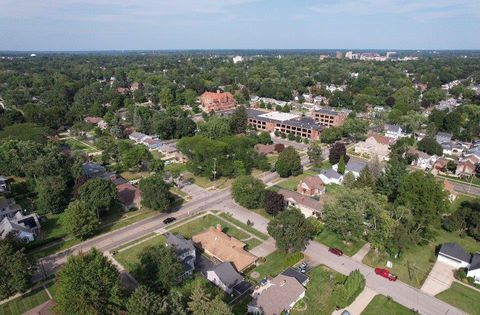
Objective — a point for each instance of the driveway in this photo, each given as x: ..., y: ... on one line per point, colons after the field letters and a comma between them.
x: 264, y: 249
x: 360, y: 303
x: 362, y: 253
x: 439, y: 279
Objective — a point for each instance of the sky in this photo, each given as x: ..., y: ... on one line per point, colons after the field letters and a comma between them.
x: 238, y: 24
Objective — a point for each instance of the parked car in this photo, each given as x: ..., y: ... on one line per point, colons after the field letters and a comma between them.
x: 303, y: 265
x: 386, y: 274
x: 169, y: 220
x: 335, y: 251
x: 263, y: 282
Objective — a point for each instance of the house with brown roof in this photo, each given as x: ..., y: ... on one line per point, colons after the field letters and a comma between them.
x: 93, y: 120
x: 277, y: 297
x: 224, y: 247
x: 311, y: 186
x: 219, y: 101
x: 375, y: 145
x: 307, y: 205
x: 129, y: 196
x: 465, y: 169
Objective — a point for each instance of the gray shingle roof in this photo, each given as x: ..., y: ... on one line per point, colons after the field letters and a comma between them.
x: 475, y: 263
x: 456, y: 251
x: 355, y: 166
x: 331, y: 174
x: 227, y: 274
x: 290, y: 272
x: 179, y: 243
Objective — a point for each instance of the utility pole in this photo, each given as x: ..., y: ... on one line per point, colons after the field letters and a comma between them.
x: 214, y: 168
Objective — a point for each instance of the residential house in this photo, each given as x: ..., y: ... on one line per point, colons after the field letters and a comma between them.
x: 422, y: 159
x: 320, y: 100
x: 355, y: 167
x: 440, y: 164
x: 465, y: 169
x: 443, y: 137
x: 237, y: 59
x: 393, y: 131
x: 277, y: 297
x: 91, y: 170
x: 228, y: 279
x: 454, y: 255
x: 331, y: 176
x: 375, y: 145
x: 218, y: 101
x: 185, y: 251
x: 138, y: 137
x: 8, y: 208
x: 135, y: 86
x: 3, y: 184
x: 93, y: 120
x: 224, y: 247
x: 168, y: 150
x: 152, y: 144
x: 452, y: 148
x: 311, y: 186
x: 129, y: 196
x: 102, y: 124
x: 307, y: 205
x: 449, y: 187
x: 22, y: 227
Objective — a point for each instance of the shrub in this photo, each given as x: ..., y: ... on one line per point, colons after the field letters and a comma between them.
x: 346, y: 292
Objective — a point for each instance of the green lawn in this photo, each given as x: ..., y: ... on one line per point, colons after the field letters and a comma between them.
x: 205, y: 183
x: 203, y: 223
x: 244, y: 226
x: 76, y: 144
x: 291, y: 183
x: 319, y: 298
x: 331, y: 239
x: 380, y: 304
x: 458, y: 201
x: 275, y: 263
x: 129, y: 257
x: 414, y: 265
x: 24, y: 303
x: 462, y: 297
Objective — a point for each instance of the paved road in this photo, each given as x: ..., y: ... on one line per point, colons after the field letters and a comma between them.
x: 402, y: 293
x: 466, y: 188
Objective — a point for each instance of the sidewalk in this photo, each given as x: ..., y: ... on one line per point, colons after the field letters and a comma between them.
x: 360, y: 303
x: 362, y: 252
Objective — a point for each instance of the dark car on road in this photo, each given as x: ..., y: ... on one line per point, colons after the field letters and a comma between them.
x: 335, y: 251
x: 169, y: 220
x: 386, y: 274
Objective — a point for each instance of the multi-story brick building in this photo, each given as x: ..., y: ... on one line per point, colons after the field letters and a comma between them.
x: 304, y: 127
x: 219, y: 101
x: 329, y: 117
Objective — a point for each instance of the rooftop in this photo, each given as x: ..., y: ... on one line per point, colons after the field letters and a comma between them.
x: 456, y: 251
x: 227, y: 274
x: 278, y: 116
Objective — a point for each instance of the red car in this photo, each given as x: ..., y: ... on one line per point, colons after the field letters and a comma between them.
x: 335, y: 251
x: 386, y: 274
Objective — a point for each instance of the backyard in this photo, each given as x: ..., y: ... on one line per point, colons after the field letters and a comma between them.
x: 381, y: 303
x: 414, y: 265
x: 274, y: 264
x: 462, y: 297
x: 318, y: 297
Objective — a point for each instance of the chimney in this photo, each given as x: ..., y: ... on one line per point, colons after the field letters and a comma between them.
x: 219, y: 227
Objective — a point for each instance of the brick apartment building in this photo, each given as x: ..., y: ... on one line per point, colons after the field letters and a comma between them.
x: 329, y: 118
x: 219, y: 101
x: 304, y: 127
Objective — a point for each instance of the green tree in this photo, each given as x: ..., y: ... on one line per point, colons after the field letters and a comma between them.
x: 430, y: 146
x: 341, y: 165
x: 288, y: 163
x: 201, y: 303
x: 52, y: 194
x: 239, y: 168
x: 155, y: 193
x: 274, y: 202
x: 315, y: 153
x: 185, y: 127
x: 99, y: 194
x: 238, y: 120
x: 145, y: 301
x: 345, y: 293
x: 88, y: 284
x: 215, y: 128
x: 264, y: 138
x: 15, y: 269
x: 434, y: 95
x: 389, y: 183
x: 249, y: 192
x: 159, y: 268
x: 337, y: 150
x: 133, y: 155
x: 166, y: 98
x: 79, y: 220
x: 156, y: 166
x: 291, y: 230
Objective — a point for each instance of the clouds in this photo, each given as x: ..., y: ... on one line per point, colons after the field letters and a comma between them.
x: 408, y: 8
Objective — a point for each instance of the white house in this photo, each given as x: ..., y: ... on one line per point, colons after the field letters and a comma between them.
x: 23, y: 227
x: 354, y: 167
x: 237, y: 59
x: 375, y: 145
x: 474, y: 269
x: 393, y: 131
x: 307, y: 205
x: 185, y: 251
x: 422, y: 159
x: 331, y: 177
x: 138, y: 137
x: 454, y: 255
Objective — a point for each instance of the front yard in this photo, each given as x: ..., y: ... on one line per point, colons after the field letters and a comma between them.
x: 380, y: 304
x: 318, y: 297
x: 462, y: 297
x: 28, y: 301
x: 128, y: 258
x: 414, y: 265
x: 331, y: 239
x: 274, y: 264
x: 291, y: 183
